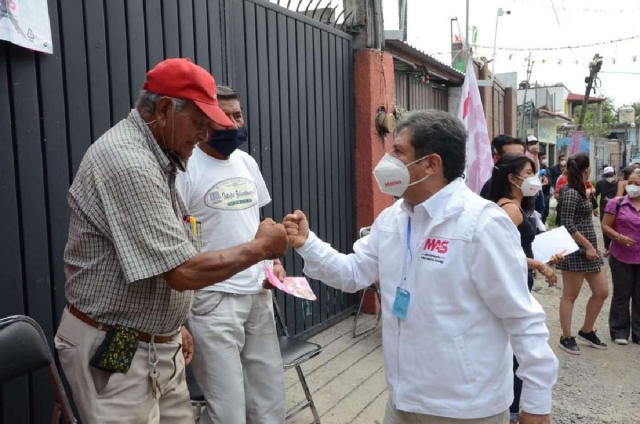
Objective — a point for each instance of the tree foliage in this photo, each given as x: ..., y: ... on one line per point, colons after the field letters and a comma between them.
x: 636, y: 106
x: 592, y: 122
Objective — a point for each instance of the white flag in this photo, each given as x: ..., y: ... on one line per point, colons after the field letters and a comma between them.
x: 470, y: 111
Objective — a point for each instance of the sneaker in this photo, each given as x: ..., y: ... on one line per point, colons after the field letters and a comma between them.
x: 569, y: 345
x: 623, y: 342
x: 592, y: 339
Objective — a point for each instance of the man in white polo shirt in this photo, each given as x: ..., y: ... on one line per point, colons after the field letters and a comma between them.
x: 236, y: 361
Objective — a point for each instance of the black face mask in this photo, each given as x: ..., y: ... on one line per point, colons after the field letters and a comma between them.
x: 227, y: 141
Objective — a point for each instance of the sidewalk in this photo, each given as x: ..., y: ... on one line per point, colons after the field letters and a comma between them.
x: 346, y: 379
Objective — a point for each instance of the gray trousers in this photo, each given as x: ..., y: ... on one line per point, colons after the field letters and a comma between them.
x: 626, y: 291
x: 394, y: 416
x: 236, y: 359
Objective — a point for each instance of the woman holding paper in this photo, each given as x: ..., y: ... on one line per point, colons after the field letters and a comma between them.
x: 622, y: 224
x: 514, y: 185
x: 586, y: 263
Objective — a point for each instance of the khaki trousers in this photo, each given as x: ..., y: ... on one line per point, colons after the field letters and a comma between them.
x: 393, y: 416
x: 118, y: 398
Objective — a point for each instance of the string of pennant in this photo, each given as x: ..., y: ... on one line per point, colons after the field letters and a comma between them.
x: 580, y: 46
x: 540, y: 49
x: 574, y: 9
x: 565, y: 59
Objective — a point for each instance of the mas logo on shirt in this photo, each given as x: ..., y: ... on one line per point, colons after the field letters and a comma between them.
x: 435, y: 250
x: 232, y: 194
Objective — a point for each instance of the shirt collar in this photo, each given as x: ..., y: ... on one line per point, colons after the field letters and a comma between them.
x: 152, y: 143
x: 439, y: 203
x: 626, y: 200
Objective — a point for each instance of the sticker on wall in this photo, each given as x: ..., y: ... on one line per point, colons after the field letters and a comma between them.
x: 26, y: 23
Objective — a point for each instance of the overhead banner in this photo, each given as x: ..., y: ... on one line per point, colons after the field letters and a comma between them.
x: 26, y: 24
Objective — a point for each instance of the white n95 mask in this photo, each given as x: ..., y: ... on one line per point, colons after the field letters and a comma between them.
x: 531, y: 186
x: 393, y: 176
x: 632, y: 190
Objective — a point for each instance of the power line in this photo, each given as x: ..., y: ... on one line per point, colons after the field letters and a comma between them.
x: 555, y: 12
x: 581, y: 58
x: 574, y: 9
x: 620, y: 72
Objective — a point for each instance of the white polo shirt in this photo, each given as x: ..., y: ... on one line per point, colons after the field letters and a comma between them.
x: 226, y: 197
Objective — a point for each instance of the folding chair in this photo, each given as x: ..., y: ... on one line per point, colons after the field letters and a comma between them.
x: 23, y: 350
x: 375, y: 287
x: 294, y: 352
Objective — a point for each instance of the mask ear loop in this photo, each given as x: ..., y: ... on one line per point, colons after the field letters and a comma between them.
x: 173, y: 125
x: 164, y: 142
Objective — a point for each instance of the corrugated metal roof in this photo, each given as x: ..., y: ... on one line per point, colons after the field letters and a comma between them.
x: 580, y: 98
x: 438, y: 69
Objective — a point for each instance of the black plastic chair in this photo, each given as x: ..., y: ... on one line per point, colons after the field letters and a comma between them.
x: 375, y: 287
x: 294, y: 353
x: 23, y: 350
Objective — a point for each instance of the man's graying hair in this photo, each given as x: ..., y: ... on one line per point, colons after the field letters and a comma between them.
x: 227, y: 93
x: 434, y: 131
x: 148, y: 101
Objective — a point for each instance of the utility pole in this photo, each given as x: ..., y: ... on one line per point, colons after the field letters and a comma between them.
x: 594, y: 68
x: 526, y: 90
x: 466, y: 34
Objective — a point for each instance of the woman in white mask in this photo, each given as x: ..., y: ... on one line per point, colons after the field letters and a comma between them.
x: 622, y: 224
x: 514, y: 185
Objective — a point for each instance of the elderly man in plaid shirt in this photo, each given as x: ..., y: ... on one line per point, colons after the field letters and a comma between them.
x: 132, y: 256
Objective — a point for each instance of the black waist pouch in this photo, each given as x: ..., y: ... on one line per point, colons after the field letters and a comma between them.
x: 117, y: 350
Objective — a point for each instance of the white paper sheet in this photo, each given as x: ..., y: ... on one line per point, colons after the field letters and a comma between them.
x: 26, y: 23
x: 553, y: 242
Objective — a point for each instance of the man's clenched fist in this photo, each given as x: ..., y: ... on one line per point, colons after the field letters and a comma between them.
x: 297, y: 228
x: 272, y: 238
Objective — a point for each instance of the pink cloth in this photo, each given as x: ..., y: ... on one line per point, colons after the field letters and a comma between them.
x: 628, y: 224
x: 576, y: 140
x: 479, y: 165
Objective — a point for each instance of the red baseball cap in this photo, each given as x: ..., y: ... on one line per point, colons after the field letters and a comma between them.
x: 181, y: 78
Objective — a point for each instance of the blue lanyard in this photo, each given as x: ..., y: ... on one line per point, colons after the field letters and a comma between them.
x: 409, y: 240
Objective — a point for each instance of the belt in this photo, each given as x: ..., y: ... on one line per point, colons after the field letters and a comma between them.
x: 143, y: 337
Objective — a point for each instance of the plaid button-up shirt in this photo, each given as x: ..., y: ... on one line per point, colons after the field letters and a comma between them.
x: 127, y: 229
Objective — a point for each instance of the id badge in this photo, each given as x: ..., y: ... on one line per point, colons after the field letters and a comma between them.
x: 401, y: 303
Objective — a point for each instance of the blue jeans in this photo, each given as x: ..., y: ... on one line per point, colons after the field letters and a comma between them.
x: 514, y: 409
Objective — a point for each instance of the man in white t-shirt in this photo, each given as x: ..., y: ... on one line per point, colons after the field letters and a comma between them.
x: 237, y: 361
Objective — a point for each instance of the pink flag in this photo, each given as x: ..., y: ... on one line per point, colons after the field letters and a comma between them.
x: 576, y: 140
x: 479, y: 161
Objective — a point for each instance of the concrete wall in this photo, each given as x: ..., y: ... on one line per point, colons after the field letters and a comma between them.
x: 454, y: 99
x: 508, y: 80
x: 547, y: 131
x: 372, y: 69
x: 553, y: 98
x: 510, y: 112
x: 559, y: 97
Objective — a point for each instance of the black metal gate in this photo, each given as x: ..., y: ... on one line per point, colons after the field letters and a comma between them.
x: 295, y: 78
